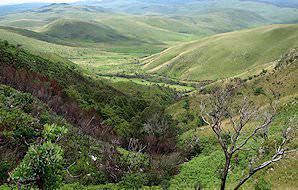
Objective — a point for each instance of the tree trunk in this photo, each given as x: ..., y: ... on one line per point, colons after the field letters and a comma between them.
x: 241, y: 183
x: 225, y: 173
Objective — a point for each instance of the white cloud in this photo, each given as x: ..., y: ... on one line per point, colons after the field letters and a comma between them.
x: 4, y: 2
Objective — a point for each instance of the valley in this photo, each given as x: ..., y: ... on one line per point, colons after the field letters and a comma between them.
x: 139, y: 94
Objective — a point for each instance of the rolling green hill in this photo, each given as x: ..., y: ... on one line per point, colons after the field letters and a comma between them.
x: 156, y: 22
x: 74, y: 30
x: 91, y: 54
x: 33, y: 35
x: 224, y: 55
x: 206, y: 23
x: 143, y: 31
x: 276, y: 11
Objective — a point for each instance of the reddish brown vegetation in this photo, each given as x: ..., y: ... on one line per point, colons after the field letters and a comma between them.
x: 50, y: 92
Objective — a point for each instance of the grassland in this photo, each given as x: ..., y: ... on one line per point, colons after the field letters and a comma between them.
x: 241, y: 53
x: 224, y: 55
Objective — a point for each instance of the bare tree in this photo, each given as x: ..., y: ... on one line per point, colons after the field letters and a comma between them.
x: 237, y: 120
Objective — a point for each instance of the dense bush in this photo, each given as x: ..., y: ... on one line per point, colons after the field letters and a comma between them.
x: 134, y: 181
x: 135, y: 161
x: 41, y: 167
x: 43, y: 162
x: 259, y: 91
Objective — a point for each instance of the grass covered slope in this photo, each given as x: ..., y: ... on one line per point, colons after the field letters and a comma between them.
x: 207, y: 158
x: 92, y: 57
x: 33, y: 35
x: 224, y: 55
x: 75, y: 30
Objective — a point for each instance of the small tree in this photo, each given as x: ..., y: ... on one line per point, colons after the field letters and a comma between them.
x: 244, y: 121
x: 42, y: 164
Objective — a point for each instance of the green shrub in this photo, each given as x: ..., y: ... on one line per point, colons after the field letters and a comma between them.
x: 134, y: 181
x: 4, y: 169
x: 259, y: 91
x: 133, y: 160
x: 17, y: 125
x: 264, y: 71
x: 43, y: 165
x: 186, y: 104
x: 53, y: 132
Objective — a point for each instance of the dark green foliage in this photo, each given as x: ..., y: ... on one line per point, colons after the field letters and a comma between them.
x: 4, y: 169
x: 134, y: 181
x: 186, y: 104
x: 259, y: 91
x: 42, y: 165
x: 22, y: 116
x: 135, y: 161
x: 18, y: 126
x: 22, y: 120
x: 53, y: 132
x: 194, y: 142
x: 264, y: 71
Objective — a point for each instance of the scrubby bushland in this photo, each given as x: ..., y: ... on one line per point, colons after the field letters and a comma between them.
x: 94, y: 106
x: 107, y: 127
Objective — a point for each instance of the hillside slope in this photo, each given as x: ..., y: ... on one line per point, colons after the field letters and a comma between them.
x: 33, y: 35
x: 224, y: 55
x: 282, y: 79
x: 92, y: 105
x: 75, y: 30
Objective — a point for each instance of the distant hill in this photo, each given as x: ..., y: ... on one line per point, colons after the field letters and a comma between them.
x: 6, y: 9
x: 155, y: 22
x: 209, y: 22
x: 280, y: 3
x: 224, y: 55
x: 34, y: 35
x: 66, y: 7
x: 75, y: 30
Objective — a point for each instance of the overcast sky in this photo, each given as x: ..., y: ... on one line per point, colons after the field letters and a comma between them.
x: 4, y: 2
